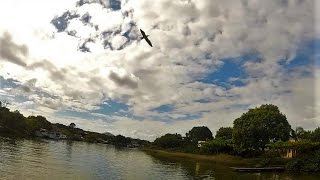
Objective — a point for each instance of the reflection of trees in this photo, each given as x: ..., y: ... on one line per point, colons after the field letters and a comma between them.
x: 39, y: 148
x: 189, y: 168
x: 10, y: 156
x: 211, y: 170
x: 69, y: 145
x: 9, y: 147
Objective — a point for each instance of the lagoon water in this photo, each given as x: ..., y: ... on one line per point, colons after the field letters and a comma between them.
x: 28, y: 159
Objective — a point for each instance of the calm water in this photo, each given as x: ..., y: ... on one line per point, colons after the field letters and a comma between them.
x: 78, y: 160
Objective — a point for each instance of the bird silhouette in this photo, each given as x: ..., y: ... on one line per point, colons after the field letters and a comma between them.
x: 144, y: 36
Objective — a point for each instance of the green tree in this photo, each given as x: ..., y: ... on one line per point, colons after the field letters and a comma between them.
x: 302, y: 134
x: 217, y: 146
x: 169, y: 141
x: 260, y: 126
x: 315, y: 135
x: 120, y: 140
x: 12, y: 122
x: 72, y: 125
x: 224, y: 133
x: 201, y: 133
x: 36, y: 123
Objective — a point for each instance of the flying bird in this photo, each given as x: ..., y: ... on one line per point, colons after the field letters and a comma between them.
x: 144, y: 36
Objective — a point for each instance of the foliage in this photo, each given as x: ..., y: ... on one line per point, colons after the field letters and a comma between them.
x: 14, y: 124
x: 94, y: 137
x: 36, y: 123
x: 302, y: 134
x: 315, y: 135
x: 201, y: 133
x: 120, y: 140
x: 301, y: 146
x: 72, y: 125
x: 169, y: 141
x: 308, y: 163
x: 224, y: 133
x: 217, y: 146
x: 188, y: 147
x: 259, y: 126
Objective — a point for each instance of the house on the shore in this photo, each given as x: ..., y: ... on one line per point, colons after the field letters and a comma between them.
x: 54, y: 135
x: 200, y: 143
x: 290, y: 152
x: 285, y: 149
x: 43, y: 133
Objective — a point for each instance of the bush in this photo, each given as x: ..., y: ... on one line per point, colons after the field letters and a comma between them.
x: 249, y: 153
x: 306, y: 163
x: 169, y: 141
x: 217, y: 146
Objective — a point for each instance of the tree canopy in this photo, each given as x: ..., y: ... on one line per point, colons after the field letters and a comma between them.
x: 169, y: 141
x: 201, y: 133
x: 13, y: 124
x: 260, y: 126
x: 224, y: 133
x: 302, y: 134
x: 72, y: 125
x: 37, y: 122
x: 315, y: 136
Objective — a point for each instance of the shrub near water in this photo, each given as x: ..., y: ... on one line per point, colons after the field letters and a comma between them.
x: 217, y: 146
x: 308, y: 154
x: 169, y: 141
x: 306, y: 163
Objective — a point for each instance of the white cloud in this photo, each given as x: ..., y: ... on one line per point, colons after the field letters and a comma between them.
x: 190, y: 38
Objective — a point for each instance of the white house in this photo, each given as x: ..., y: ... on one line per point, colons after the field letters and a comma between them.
x: 42, y: 133
x: 200, y: 143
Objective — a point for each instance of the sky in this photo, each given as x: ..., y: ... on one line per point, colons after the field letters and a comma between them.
x: 83, y: 61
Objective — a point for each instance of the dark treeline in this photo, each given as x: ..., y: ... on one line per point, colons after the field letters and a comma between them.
x: 15, y: 125
x: 262, y: 132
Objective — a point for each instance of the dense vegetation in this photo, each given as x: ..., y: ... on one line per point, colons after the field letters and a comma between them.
x: 15, y: 125
x: 259, y: 126
x: 262, y: 132
x: 201, y: 133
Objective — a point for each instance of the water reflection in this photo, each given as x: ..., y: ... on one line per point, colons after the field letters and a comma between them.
x: 69, y: 148
x: 211, y: 170
x: 78, y: 160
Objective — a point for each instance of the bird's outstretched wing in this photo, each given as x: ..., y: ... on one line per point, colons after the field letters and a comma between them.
x: 144, y: 36
x: 148, y: 41
x: 142, y: 32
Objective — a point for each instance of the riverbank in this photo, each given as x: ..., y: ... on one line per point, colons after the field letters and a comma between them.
x: 223, y: 159
x: 30, y: 159
x: 14, y: 125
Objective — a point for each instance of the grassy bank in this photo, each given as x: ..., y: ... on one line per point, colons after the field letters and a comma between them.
x: 223, y: 159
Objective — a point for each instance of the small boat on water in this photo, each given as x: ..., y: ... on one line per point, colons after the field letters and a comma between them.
x: 255, y: 169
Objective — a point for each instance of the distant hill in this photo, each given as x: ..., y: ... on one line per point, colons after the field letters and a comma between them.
x: 14, y: 125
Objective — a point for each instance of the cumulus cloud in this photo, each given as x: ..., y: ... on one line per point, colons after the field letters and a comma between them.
x: 11, y: 51
x: 55, y: 74
x: 123, y: 81
x: 87, y: 51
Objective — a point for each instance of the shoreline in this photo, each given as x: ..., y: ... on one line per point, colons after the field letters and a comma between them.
x: 223, y: 159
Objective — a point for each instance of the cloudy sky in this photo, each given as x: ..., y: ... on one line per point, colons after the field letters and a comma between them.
x: 83, y: 61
